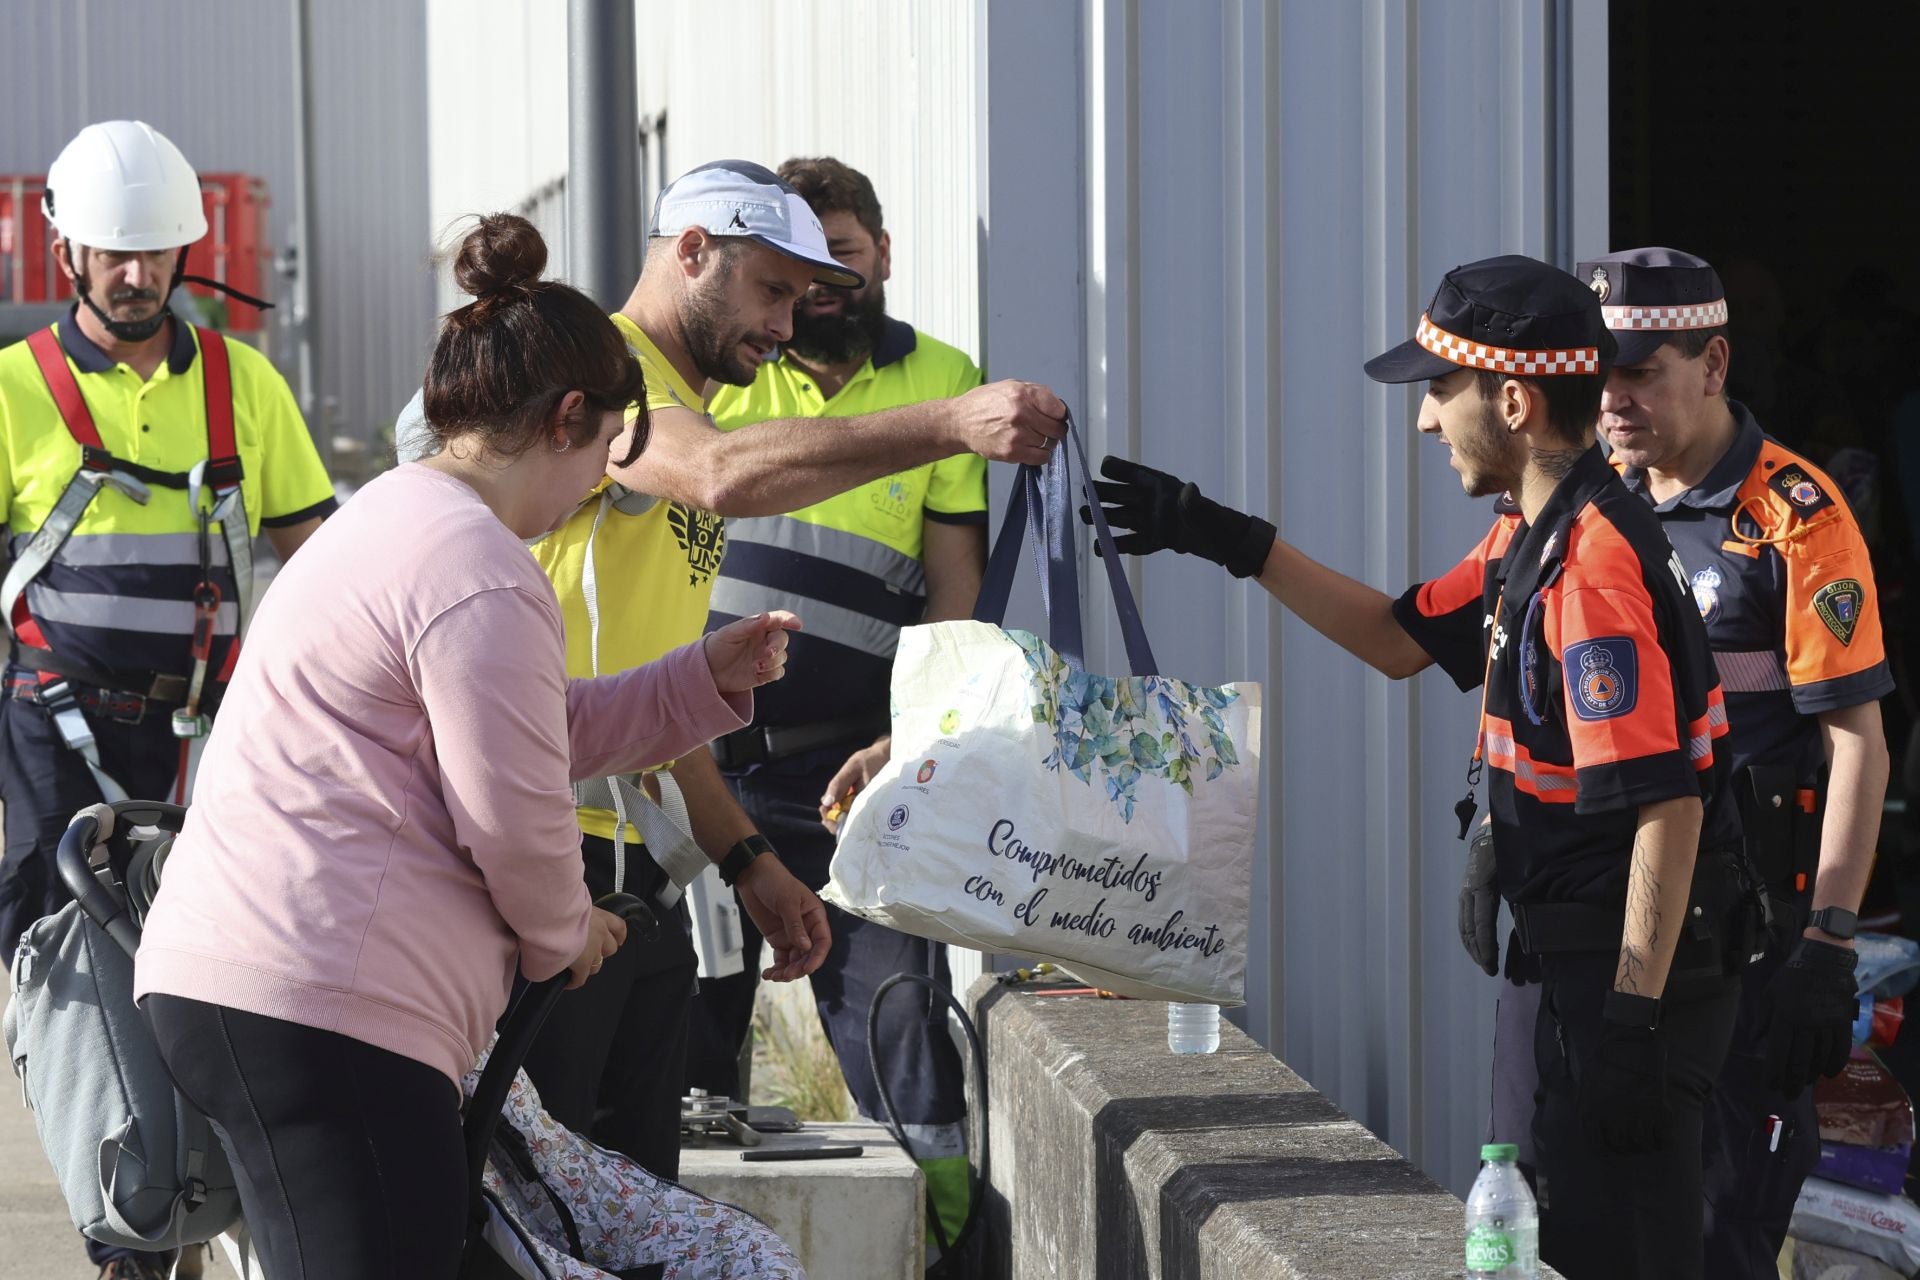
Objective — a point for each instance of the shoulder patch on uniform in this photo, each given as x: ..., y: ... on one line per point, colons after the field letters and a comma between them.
x: 1838, y: 604
x: 1602, y: 677
x: 1794, y: 484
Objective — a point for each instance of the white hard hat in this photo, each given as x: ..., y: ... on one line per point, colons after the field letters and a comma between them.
x: 121, y: 185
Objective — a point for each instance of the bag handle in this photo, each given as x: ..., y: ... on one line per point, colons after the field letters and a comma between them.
x: 1043, y: 495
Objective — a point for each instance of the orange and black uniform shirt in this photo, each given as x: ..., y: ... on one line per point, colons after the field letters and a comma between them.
x: 1780, y: 575
x: 1600, y: 691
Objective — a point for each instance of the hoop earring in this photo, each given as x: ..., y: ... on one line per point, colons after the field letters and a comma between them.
x: 562, y: 448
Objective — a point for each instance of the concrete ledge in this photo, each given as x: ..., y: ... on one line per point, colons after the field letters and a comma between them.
x: 1114, y: 1158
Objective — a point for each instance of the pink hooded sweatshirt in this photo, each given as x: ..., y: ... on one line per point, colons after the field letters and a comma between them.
x: 383, y: 823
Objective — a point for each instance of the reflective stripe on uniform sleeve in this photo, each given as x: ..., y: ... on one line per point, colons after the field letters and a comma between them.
x: 1554, y: 783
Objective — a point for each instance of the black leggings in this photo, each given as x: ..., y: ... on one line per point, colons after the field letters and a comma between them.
x: 348, y: 1157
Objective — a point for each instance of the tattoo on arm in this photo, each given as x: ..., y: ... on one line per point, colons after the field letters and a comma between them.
x: 1555, y: 463
x: 1641, y: 939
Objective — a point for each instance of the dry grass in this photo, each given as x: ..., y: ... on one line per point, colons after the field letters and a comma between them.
x: 793, y: 1065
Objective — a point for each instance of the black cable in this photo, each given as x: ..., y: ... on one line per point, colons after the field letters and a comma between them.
x: 976, y: 1180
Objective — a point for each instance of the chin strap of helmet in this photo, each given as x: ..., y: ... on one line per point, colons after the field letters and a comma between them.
x: 141, y: 330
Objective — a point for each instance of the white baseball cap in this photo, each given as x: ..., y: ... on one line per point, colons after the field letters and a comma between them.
x: 740, y: 198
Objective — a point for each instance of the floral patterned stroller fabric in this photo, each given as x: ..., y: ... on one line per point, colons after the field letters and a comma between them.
x: 543, y: 1179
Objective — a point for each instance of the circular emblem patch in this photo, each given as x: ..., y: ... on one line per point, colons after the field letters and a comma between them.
x: 926, y: 772
x: 1806, y: 493
x: 1706, y: 593
x: 898, y: 818
x: 1600, y: 689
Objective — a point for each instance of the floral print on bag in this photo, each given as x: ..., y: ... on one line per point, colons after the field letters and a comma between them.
x: 1128, y: 727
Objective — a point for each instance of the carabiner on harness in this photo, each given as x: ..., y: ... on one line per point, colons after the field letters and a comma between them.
x: 188, y: 722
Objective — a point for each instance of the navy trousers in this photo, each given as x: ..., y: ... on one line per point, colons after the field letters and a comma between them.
x: 1749, y: 1178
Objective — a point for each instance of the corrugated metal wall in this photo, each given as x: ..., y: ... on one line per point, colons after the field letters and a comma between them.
x: 214, y: 76
x: 1257, y: 197
x: 887, y: 87
x: 496, y: 115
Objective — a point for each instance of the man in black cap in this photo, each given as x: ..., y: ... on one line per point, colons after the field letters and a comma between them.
x: 1612, y: 827
x: 1780, y: 575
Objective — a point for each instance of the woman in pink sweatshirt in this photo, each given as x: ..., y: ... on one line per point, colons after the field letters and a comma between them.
x: 384, y: 825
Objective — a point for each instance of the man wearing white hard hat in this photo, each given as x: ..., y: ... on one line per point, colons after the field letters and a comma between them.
x: 141, y: 457
x: 731, y: 250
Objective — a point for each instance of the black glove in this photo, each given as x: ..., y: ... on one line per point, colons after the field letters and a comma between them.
x: 1813, y: 1004
x: 1163, y: 512
x: 1623, y: 1091
x: 1480, y: 905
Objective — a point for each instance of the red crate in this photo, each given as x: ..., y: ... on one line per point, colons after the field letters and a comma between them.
x: 237, y: 249
x: 26, y: 259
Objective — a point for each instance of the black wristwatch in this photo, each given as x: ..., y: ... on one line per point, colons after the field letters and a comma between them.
x: 741, y: 856
x: 1629, y: 1010
x: 1838, y: 921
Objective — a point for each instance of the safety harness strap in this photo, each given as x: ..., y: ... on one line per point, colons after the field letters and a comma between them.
x: 45, y: 345
x: 74, y: 730
x: 222, y: 470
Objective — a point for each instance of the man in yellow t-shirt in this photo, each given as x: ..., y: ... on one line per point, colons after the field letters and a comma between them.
x: 732, y: 248
x: 905, y: 548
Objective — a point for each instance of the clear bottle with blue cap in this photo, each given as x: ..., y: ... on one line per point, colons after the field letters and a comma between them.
x: 1503, y: 1222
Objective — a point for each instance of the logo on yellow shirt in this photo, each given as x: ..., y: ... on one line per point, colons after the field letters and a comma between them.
x: 703, y: 536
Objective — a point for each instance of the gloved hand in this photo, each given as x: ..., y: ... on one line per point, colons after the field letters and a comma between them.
x: 1623, y: 1092
x: 1162, y: 512
x: 1480, y: 905
x: 1813, y: 1003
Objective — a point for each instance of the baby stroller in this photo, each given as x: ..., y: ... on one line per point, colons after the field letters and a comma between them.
x: 546, y: 1203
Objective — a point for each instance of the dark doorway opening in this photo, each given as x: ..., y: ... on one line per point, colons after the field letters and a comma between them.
x: 1781, y: 141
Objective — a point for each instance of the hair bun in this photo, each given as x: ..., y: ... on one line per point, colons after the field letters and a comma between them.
x: 503, y: 252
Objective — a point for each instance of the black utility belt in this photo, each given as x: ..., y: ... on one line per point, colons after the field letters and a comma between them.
x: 760, y: 744
x: 1723, y: 927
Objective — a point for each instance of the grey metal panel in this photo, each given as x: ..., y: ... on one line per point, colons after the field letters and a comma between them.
x: 213, y: 75
x: 1270, y: 192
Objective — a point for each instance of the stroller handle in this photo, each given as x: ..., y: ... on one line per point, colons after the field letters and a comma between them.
x: 517, y: 1033
x: 105, y: 901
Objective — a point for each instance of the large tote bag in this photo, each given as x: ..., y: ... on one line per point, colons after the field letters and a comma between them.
x: 1034, y: 807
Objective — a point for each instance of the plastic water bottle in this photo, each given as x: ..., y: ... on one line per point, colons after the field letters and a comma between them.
x: 1503, y: 1225
x: 1193, y: 1028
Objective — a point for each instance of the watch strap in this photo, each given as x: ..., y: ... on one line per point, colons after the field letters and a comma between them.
x: 741, y: 856
x: 1838, y: 921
